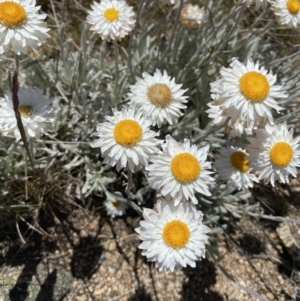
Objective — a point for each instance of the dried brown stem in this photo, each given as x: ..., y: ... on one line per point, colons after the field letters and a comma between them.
x: 15, y: 100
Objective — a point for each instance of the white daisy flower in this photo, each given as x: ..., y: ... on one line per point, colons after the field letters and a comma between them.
x: 21, y: 26
x: 180, y: 171
x: 111, y: 19
x: 274, y: 153
x: 258, y: 3
x: 158, y: 97
x: 173, y: 237
x: 115, y: 204
x: 125, y: 139
x: 247, y: 94
x: 232, y: 166
x: 287, y: 12
x: 35, y: 110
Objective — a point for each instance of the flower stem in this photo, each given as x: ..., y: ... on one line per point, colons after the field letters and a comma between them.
x: 15, y: 100
x: 116, y: 88
x: 174, y: 31
x: 128, y: 192
x: 130, y: 46
x: 212, y: 130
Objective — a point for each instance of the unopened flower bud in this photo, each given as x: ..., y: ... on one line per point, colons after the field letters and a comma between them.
x: 192, y: 16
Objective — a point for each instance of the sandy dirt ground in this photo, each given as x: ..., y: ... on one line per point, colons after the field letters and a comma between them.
x: 88, y: 257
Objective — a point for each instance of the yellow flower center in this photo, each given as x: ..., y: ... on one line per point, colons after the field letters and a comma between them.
x: 12, y: 14
x: 176, y: 234
x: 25, y: 110
x: 159, y: 95
x: 239, y: 161
x: 293, y: 6
x: 185, y: 167
x: 116, y: 203
x: 281, y: 153
x: 128, y: 132
x: 254, y: 86
x: 111, y: 14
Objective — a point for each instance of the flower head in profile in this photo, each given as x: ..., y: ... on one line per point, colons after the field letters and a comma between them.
x: 21, y: 25
x: 246, y: 93
x: 287, y: 12
x: 257, y: 3
x: 173, y: 236
x: 115, y: 204
x: 158, y: 97
x: 229, y: 118
x: 274, y: 154
x: 111, y: 19
x: 233, y: 166
x: 35, y: 110
x: 125, y: 139
x: 180, y: 171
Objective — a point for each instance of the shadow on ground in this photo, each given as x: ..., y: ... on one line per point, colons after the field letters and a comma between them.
x: 36, y: 270
x: 200, y: 280
x: 251, y: 245
x: 19, y: 263
x: 140, y: 294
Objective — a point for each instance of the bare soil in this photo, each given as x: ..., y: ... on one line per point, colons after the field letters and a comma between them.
x: 87, y: 256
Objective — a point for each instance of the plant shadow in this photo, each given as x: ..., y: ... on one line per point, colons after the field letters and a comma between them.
x: 200, y: 279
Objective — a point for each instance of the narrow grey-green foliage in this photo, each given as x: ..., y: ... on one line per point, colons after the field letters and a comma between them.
x: 82, y: 81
